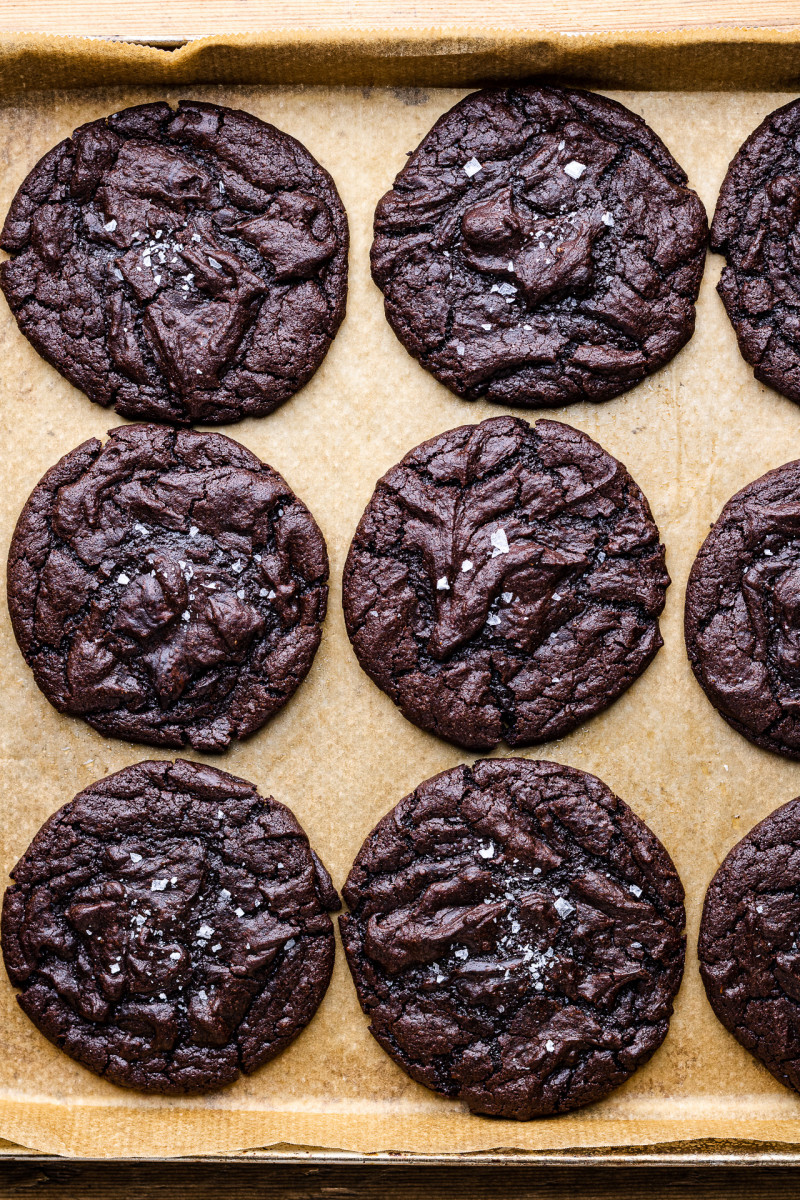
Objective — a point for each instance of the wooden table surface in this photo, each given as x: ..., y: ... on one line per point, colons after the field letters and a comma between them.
x: 62, y: 1179
x: 191, y: 18
x: 69, y: 1180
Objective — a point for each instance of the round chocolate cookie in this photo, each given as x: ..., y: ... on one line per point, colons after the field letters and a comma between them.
x: 168, y: 928
x: 748, y: 948
x: 540, y: 247
x: 742, y: 618
x: 516, y: 937
x: 757, y: 227
x: 167, y: 587
x: 505, y: 582
x: 179, y: 266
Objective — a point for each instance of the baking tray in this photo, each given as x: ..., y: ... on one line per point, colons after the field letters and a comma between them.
x: 682, y: 434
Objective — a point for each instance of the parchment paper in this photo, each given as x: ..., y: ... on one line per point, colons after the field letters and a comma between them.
x: 340, y: 755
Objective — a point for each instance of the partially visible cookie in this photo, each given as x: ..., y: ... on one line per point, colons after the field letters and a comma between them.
x: 748, y: 948
x: 168, y: 587
x: 169, y: 929
x: 756, y: 227
x: 516, y: 938
x: 184, y: 265
x: 742, y: 617
x: 540, y: 247
x: 505, y: 582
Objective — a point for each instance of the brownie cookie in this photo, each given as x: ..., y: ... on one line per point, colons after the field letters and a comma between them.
x: 540, y: 247
x: 757, y: 227
x: 168, y: 928
x: 516, y: 937
x: 742, y: 618
x: 179, y: 265
x: 505, y: 582
x: 748, y: 947
x: 167, y: 587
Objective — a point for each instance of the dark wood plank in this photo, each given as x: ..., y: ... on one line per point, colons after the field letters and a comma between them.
x: 69, y: 1180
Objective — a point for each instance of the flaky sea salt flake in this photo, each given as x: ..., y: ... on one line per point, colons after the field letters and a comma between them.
x: 500, y: 542
x: 504, y: 289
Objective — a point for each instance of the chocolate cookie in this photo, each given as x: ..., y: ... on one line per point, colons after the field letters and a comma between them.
x: 742, y: 618
x: 516, y: 937
x: 749, y: 957
x: 168, y: 928
x: 540, y: 247
x: 757, y: 227
x: 167, y: 587
x: 179, y: 266
x: 505, y: 582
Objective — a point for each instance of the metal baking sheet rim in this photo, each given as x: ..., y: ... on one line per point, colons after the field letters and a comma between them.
x: 709, y: 1153
x: 678, y: 1155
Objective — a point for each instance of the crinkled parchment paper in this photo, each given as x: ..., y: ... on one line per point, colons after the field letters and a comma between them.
x: 340, y: 754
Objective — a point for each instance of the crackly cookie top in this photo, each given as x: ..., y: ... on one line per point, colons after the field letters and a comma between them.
x: 748, y: 948
x: 516, y: 937
x: 505, y: 582
x: 742, y: 617
x: 167, y: 586
x: 540, y: 247
x: 168, y: 928
x: 179, y: 265
x: 757, y: 227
